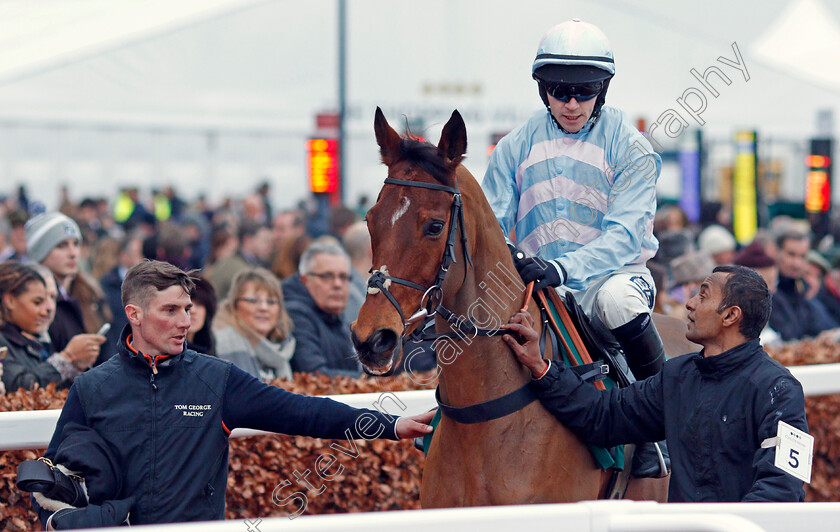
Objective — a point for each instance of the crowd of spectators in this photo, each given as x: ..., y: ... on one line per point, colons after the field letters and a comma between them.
x: 803, y: 274
x: 251, y: 304
x: 275, y: 297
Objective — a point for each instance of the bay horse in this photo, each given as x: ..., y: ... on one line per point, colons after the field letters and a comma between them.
x: 438, y: 249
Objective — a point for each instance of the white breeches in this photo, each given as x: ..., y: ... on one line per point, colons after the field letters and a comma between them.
x: 615, y: 299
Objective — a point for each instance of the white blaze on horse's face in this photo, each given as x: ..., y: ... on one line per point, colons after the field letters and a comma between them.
x: 404, y: 204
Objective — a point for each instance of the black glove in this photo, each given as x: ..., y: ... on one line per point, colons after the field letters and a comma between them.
x: 543, y: 273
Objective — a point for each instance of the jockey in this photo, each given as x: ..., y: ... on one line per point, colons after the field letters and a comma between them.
x: 576, y: 185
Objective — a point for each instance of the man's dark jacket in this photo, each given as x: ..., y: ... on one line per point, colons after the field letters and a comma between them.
x: 170, y: 418
x: 714, y: 413
x: 322, y: 340
x: 830, y: 301
x: 795, y: 317
x: 68, y: 321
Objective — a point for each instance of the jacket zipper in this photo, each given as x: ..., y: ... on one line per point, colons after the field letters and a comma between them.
x: 154, y: 434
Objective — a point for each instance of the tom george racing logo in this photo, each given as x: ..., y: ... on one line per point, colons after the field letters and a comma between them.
x: 193, y: 410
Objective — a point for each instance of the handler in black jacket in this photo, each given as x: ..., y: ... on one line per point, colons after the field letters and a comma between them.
x: 168, y: 411
x: 714, y: 408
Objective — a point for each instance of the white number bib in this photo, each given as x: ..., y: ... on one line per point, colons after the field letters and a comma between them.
x: 794, y: 451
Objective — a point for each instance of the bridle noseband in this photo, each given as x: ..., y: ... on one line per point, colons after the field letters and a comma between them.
x: 432, y: 295
x: 431, y: 302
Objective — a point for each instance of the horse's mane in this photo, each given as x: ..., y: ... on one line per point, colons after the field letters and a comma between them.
x: 427, y: 157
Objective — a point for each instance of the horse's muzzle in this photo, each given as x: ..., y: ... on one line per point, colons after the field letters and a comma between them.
x: 377, y: 351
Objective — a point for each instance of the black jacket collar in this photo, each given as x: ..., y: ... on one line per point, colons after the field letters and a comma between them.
x: 14, y: 335
x: 728, y: 361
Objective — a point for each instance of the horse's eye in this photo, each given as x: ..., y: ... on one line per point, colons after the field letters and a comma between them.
x: 433, y: 228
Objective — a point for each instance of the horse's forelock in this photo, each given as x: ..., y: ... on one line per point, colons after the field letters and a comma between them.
x: 427, y: 158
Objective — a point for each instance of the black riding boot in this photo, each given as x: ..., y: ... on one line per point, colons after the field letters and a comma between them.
x: 641, y: 345
x: 645, y: 355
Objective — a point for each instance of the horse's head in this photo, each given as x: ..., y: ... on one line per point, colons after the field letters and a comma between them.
x: 409, y: 228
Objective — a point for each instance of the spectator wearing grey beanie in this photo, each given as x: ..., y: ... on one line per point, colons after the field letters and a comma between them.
x: 53, y: 230
x: 53, y: 241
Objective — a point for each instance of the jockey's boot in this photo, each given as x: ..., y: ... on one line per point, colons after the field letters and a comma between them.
x: 651, y: 460
x: 642, y: 346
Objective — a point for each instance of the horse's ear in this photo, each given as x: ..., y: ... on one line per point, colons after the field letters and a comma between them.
x: 453, y: 139
x: 387, y: 138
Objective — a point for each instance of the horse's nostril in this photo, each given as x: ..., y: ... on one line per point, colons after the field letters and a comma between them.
x: 376, y: 345
x: 383, y: 341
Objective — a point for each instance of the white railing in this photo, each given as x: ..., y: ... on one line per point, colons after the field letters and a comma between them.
x: 32, y: 429
x: 589, y: 516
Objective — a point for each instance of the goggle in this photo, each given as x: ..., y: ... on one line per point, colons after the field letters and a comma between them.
x: 581, y: 93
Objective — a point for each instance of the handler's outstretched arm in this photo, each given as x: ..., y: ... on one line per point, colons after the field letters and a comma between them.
x: 415, y: 426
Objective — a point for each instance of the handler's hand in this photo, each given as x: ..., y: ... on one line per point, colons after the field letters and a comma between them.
x: 528, y: 352
x: 415, y: 426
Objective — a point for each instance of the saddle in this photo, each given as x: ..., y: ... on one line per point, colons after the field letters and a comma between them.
x: 609, y: 353
x: 648, y: 459
x: 591, y: 364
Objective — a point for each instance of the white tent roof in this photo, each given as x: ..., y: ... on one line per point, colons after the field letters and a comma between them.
x: 274, y: 61
x: 41, y: 35
x: 805, y: 39
x: 271, y: 65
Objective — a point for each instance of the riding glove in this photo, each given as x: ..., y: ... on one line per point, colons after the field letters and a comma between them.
x: 543, y: 273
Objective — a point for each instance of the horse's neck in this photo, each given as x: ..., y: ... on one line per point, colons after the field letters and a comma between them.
x: 477, y: 369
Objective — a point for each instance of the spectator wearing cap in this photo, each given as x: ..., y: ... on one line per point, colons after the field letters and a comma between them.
x: 53, y: 240
x: 816, y: 266
x: 755, y: 257
x: 794, y: 316
x: 821, y: 284
x: 673, y: 244
x: 16, y: 250
x: 717, y: 242
x: 687, y: 273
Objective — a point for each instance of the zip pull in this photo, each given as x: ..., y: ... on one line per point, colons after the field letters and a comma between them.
x: 154, y: 372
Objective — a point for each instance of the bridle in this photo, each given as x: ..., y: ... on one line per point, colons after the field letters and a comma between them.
x: 431, y: 301
x: 431, y: 304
